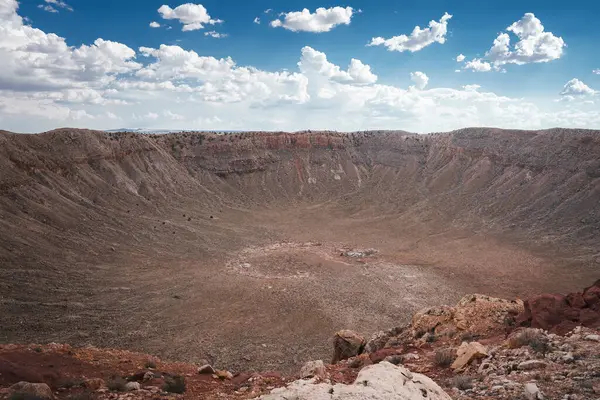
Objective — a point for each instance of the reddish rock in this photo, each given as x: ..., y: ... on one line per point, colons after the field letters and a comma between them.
x: 576, y: 300
x: 380, y: 355
x: 347, y: 344
x: 560, y: 314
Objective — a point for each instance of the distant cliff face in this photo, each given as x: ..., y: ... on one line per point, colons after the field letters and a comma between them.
x: 125, y: 221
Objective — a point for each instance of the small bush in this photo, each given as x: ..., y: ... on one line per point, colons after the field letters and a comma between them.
x: 540, y: 345
x: 69, y: 383
x: 587, y: 385
x: 419, y: 333
x: 37, y: 349
x: 150, y: 364
x: 174, y: 384
x: 528, y: 337
x: 444, y: 357
x: 462, y: 382
x: 116, y: 384
x: 430, y: 338
x: 467, y: 337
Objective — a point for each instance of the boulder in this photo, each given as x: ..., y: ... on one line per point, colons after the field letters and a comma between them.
x: 474, y: 313
x: 132, y: 386
x: 223, y: 374
x: 532, y: 392
x: 532, y: 364
x: 560, y: 314
x: 383, y: 381
x: 206, y: 369
x: 94, y: 383
x: 313, y: 369
x: 37, y: 390
x: 347, y: 344
x: 466, y: 353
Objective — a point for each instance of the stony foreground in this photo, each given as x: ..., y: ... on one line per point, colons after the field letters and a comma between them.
x: 482, y: 348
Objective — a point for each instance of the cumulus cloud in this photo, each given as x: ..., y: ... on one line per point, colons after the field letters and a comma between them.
x: 315, y: 62
x: 192, y: 16
x: 322, y: 20
x: 460, y: 58
x: 257, y: 20
x: 596, y: 71
x: 478, y: 65
x: 534, y: 45
x: 575, y: 88
x: 215, y: 35
x: 420, y: 79
x: 154, y: 24
x: 418, y: 39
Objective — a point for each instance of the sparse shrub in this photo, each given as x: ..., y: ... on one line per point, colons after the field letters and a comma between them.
x: 37, y: 349
x: 540, y: 345
x: 116, y: 384
x: 467, y: 337
x: 69, y: 383
x: 430, y: 338
x: 150, y: 364
x: 444, y: 357
x: 419, y: 333
x: 462, y: 382
x: 174, y: 384
x: 532, y: 338
x: 587, y: 385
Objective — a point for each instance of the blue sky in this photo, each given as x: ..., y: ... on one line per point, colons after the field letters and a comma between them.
x: 499, y: 89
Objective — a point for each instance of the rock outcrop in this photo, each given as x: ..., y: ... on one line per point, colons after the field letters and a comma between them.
x: 561, y: 313
x: 347, y: 344
x: 383, y: 381
x: 27, y: 390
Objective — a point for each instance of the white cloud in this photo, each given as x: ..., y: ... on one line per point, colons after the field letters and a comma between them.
x: 315, y: 62
x: 48, y: 8
x: 478, y: 65
x: 575, y: 87
x: 257, y: 20
x: 154, y: 24
x: 471, y: 88
x: 323, y: 20
x: 596, y: 71
x: 192, y: 16
x: 45, y: 83
x: 216, y: 35
x: 460, y: 58
x: 420, y: 79
x: 418, y: 39
x: 172, y: 116
x: 60, y: 4
x: 535, y: 45
x: 268, y: 10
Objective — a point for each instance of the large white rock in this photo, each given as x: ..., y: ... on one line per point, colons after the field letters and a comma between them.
x: 383, y: 381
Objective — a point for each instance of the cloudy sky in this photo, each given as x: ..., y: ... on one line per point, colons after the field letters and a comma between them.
x: 273, y: 65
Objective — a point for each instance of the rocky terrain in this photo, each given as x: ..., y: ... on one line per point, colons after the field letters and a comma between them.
x: 201, y: 247
x: 482, y: 348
